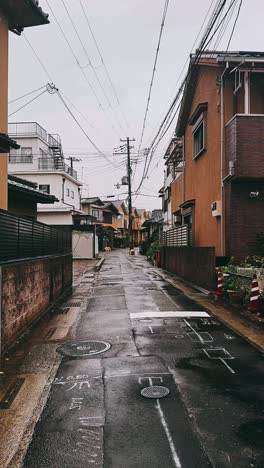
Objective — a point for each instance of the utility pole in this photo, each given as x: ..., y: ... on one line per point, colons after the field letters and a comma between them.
x: 72, y: 159
x: 129, y: 172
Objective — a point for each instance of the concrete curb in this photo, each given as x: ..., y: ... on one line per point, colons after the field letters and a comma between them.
x: 240, y: 325
x: 99, y: 264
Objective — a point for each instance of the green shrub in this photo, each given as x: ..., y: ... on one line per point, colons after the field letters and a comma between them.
x: 153, y: 249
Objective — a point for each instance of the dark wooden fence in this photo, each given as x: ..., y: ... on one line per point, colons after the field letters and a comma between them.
x: 195, y: 264
x: 24, y: 238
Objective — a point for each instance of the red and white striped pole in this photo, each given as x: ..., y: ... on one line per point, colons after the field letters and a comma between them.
x: 220, y: 283
x: 254, y: 296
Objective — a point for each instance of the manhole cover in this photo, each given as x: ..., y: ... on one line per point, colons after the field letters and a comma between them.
x: 155, y: 391
x: 83, y: 348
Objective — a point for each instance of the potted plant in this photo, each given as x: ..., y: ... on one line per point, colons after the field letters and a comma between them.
x: 235, y: 292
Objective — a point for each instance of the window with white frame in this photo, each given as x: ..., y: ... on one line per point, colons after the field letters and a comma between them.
x: 198, y: 121
x: 44, y: 188
x: 199, y: 138
x: 95, y: 213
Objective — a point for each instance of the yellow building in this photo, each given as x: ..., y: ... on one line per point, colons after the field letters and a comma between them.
x: 15, y: 15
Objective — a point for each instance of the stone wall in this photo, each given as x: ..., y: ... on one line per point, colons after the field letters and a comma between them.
x: 28, y: 288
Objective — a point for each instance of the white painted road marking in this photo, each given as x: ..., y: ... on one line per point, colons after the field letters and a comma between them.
x: 194, y: 331
x: 161, y: 314
x: 174, y: 454
x: 228, y: 367
x: 145, y: 374
x: 226, y: 354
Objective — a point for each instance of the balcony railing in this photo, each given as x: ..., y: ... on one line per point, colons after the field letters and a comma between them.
x: 26, y: 129
x: 20, y: 159
x: 51, y: 164
x: 244, y: 147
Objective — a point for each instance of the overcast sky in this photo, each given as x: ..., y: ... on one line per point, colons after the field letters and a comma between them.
x: 127, y: 33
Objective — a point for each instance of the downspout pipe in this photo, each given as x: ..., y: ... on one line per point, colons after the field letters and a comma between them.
x: 222, y: 116
x: 63, y: 193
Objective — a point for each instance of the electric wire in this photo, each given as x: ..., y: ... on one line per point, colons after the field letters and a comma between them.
x: 75, y: 56
x: 103, y: 63
x: 217, y: 11
x: 86, y: 54
x: 154, y: 70
x: 27, y: 103
x: 234, y: 25
x: 81, y: 69
x: 28, y: 94
x: 228, y: 15
x: 37, y: 57
x: 82, y: 129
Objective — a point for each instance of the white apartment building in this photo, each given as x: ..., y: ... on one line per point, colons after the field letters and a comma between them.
x: 40, y: 159
x: 173, y: 169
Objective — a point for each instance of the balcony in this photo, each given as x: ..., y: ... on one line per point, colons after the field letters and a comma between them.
x: 244, y: 147
x: 20, y: 158
x: 51, y: 164
x: 27, y: 129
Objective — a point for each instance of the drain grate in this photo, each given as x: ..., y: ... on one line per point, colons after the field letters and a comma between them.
x: 155, y: 391
x: 83, y: 348
x: 72, y: 304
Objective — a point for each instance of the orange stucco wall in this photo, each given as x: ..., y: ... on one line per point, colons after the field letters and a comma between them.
x: 3, y: 106
x: 176, y: 194
x: 202, y: 175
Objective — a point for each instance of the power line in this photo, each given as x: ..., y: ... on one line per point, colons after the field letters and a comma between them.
x: 28, y: 94
x: 86, y: 53
x: 212, y: 21
x: 82, y: 129
x: 103, y: 62
x: 224, y: 25
x: 187, y: 59
x: 38, y: 59
x: 27, y: 103
x: 154, y: 70
x: 234, y: 25
x: 74, y: 55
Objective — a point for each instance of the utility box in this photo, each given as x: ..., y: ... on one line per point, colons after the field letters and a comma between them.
x: 216, y: 207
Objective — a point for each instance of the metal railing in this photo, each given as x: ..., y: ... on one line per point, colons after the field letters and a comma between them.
x: 26, y: 128
x: 56, y: 164
x: 19, y: 158
x: 24, y: 238
x: 176, y: 237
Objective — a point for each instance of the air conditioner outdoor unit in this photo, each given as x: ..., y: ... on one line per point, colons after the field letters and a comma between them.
x: 216, y: 207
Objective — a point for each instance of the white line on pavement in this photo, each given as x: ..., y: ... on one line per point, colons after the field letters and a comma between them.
x: 228, y: 367
x: 161, y: 314
x: 194, y: 331
x: 175, y: 456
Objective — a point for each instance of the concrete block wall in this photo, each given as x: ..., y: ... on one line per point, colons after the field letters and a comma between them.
x: 28, y: 289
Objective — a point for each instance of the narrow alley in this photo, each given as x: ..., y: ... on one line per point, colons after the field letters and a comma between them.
x: 146, y: 379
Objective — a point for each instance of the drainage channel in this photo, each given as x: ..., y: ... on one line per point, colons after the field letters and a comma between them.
x: 83, y: 348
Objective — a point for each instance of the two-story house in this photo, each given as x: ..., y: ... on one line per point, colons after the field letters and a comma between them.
x: 105, y: 216
x: 220, y: 192
x: 173, y: 169
x: 122, y: 221
x: 40, y: 159
x: 14, y: 16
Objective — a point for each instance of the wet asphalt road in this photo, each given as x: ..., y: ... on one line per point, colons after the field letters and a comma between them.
x: 96, y: 416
